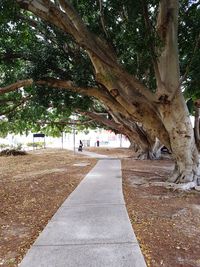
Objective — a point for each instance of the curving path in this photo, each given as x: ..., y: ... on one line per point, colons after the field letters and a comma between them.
x: 91, y: 228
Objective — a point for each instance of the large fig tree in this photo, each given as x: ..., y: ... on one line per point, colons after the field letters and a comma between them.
x: 132, y: 63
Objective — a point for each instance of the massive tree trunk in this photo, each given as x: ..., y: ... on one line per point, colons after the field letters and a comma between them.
x: 164, y: 114
x: 177, y: 122
x: 174, y: 112
x: 15, y: 86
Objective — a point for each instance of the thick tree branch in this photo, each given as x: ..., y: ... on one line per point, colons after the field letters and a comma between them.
x: 150, y: 32
x: 15, y: 86
x: 70, y: 22
x: 91, y: 42
x: 110, y: 100
x: 133, y: 132
x: 96, y: 92
x: 102, y: 18
x: 167, y: 27
x: 103, y: 120
x: 116, y: 126
x: 62, y: 84
x: 106, y: 98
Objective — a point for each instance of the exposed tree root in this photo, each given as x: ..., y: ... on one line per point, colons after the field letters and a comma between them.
x: 147, y: 155
x: 185, y: 180
x: 183, y: 186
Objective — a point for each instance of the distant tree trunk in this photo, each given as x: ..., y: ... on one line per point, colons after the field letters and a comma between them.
x: 151, y: 150
x: 143, y: 145
x: 140, y: 141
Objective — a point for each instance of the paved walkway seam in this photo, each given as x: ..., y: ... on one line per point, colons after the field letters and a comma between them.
x: 88, y: 244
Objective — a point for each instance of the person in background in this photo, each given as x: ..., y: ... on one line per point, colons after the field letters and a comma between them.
x: 80, y: 148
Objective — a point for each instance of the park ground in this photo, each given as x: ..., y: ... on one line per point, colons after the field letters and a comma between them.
x: 166, y: 222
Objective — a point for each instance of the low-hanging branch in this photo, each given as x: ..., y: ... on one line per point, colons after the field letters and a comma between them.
x: 97, y: 92
x: 102, y: 119
x: 69, y: 21
x: 15, y: 86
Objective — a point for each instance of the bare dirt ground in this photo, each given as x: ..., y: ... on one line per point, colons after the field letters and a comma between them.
x: 32, y: 187
x: 112, y: 152
x: 166, y: 222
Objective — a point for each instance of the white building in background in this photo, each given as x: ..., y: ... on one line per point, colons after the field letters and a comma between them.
x: 66, y: 140
x: 106, y: 138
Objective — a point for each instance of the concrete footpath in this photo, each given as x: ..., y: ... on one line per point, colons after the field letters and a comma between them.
x: 91, y: 228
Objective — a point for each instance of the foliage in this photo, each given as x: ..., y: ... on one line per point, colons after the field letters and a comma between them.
x: 2, y: 146
x: 38, y: 54
x: 189, y: 43
x: 30, y: 47
x: 35, y: 144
